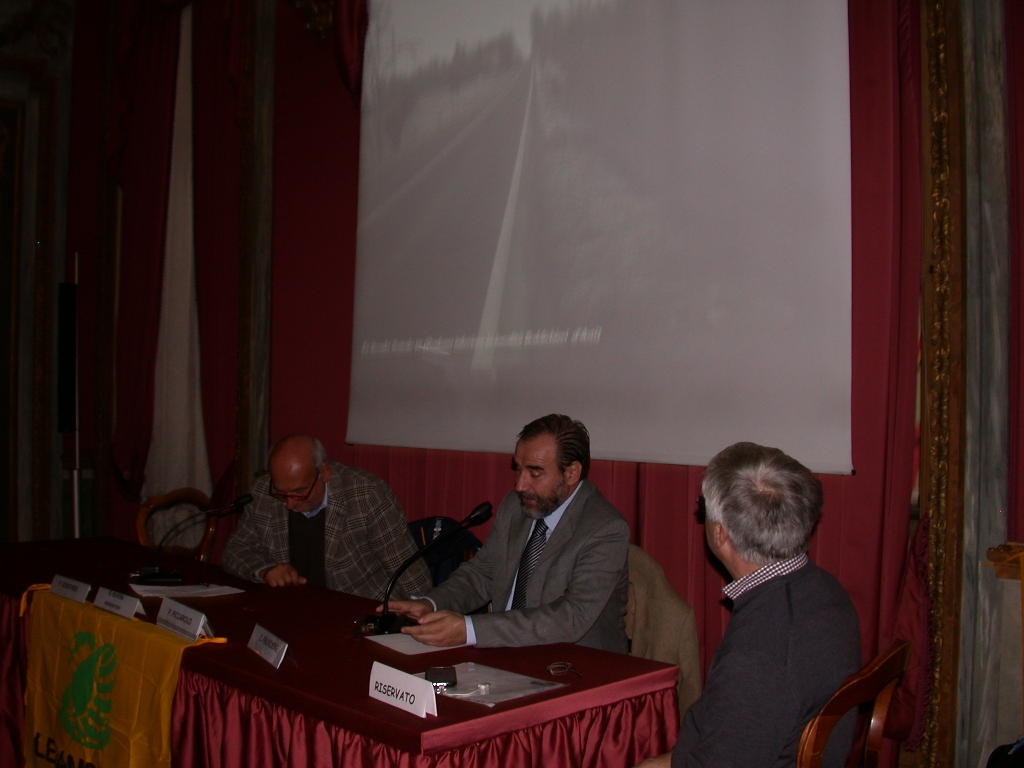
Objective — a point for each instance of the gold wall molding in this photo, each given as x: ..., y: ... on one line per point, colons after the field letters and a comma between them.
x: 943, y: 322
x: 256, y: 240
x: 319, y: 15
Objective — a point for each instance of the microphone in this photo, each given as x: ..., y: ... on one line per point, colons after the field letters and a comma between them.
x: 387, y: 623
x: 151, y: 574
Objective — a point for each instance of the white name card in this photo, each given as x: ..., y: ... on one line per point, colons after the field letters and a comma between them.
x: 402, y: 690
x: 190, y: 623
x: 115, y: 602
x: 268, y: 645
x: 69, y: 588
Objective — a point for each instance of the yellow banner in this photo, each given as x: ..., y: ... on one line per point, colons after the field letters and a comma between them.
x: 100, y: 688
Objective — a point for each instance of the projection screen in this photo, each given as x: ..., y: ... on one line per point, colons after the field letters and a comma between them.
x: 634, y: 212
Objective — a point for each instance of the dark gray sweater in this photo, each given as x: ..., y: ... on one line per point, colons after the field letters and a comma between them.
x: 789, y: 645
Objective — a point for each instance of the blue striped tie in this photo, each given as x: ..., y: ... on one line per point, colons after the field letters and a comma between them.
x: 528, y: 562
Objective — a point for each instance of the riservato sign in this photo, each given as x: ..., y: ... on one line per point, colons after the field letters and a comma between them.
x: 402, y: 690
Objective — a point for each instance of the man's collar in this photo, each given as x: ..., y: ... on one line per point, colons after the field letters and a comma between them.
x: 323, y: 504
x: 764, y: 573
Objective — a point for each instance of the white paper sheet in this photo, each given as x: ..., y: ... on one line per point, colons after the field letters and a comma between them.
x: 406, y: 644
x: 489, y: 685
x: 191, y: 590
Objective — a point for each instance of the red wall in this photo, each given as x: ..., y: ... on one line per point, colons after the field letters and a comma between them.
x: 316, y: 164
x: 316, y: 136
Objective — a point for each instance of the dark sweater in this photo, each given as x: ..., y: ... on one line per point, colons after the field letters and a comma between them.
x: 789, y: 645
x: 306, y: 546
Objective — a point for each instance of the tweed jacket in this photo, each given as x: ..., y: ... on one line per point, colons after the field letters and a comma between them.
x: 661, y: 625
x: 578, y: 590
x: 366, y: 536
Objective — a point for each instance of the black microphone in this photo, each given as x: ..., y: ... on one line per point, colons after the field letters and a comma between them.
x: 151, y: 574
x: 386, y: 623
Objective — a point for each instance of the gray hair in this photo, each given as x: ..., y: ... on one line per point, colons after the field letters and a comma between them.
x: 319, y: 454
x: 767, y: 501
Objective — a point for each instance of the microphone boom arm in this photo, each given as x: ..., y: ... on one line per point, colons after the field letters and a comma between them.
x: 388, y: 623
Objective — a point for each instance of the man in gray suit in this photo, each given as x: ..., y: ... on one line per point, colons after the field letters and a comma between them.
x: 554, y: 565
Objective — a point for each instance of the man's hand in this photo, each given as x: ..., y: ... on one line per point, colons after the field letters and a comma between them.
x: 282, y: 575
x: 661, y: 761
x: 413, y: 608
x: 441, y: 628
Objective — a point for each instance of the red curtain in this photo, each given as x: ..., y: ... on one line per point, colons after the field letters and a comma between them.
x: 142, y: 122
x: 350, y: 21
x: 1014, y: 20
x: 217, y: 30
x: 140, y: 159
x: 864, y: 530
x: 863, y: 534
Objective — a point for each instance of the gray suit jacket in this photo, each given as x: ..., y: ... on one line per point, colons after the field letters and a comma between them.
x: 578, y: 590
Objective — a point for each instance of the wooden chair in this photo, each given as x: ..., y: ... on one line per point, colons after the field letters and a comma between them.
x: 200, y: 552
x: 876, y: 682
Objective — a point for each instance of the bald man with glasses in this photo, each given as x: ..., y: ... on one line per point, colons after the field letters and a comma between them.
x: 314, y: 521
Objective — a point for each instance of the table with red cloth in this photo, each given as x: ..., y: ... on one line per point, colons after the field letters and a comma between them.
x: 231, y: 708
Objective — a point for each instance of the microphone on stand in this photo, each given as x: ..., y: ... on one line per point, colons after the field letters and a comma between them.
x: 152, y: 574
x: 387, y: 623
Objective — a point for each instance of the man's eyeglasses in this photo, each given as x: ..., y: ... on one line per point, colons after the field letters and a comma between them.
x: 294, y: 496
x: 563, y: 668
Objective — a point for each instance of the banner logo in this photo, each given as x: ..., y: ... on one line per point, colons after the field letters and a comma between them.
x: 85, y: 708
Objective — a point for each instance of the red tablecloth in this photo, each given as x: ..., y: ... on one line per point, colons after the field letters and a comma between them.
x: 217, y: 725
x: 231, y: 708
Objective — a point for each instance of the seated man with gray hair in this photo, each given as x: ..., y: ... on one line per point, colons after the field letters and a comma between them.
x: 323, y: 523
x: 793, y: 637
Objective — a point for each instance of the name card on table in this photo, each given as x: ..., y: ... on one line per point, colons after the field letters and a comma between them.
x: 69, y: 588
x: 115, y: 602
x: 268, y: 645
x: 190, y: 623
x: 402, y: 690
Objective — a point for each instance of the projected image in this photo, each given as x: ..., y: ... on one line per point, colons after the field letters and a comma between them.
x: 636, y: 213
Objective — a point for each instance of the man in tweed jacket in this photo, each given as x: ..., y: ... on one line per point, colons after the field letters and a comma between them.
x: 319, y: 522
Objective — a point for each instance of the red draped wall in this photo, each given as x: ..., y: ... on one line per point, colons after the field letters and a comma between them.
x: 140, y: 148
x: 863, y: 534
x: 217, y: 58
